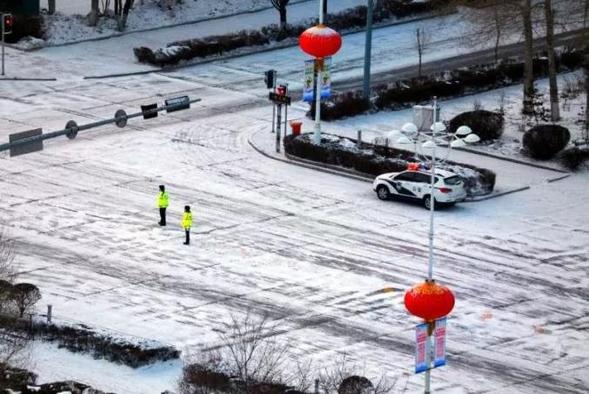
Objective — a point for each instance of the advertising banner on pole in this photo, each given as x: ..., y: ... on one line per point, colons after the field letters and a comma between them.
x: 309, y: 79
x: 308, y: 93
x: 420, y: 348
x: 326, y: 79
x: 440, y: 343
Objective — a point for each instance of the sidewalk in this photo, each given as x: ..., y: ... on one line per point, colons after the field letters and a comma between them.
x: 512, y: 176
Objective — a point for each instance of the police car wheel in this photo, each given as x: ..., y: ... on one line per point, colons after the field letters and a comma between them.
x: 383, y: 192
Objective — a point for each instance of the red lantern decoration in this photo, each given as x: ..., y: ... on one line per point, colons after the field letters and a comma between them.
x: 429, y: 300
x: 320, y: 41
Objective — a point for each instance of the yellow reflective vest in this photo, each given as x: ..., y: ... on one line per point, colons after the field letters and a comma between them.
x: 187, y: 220
x: 162, y: 200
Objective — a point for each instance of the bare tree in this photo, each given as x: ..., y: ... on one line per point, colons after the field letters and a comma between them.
x: 251, y: 350
x: 528, y: 98
x: 7, y: 269
x: 25, y: 295
x: 248, y: 352
x: 280, y: 5
x: 422, y: 42
x: 554, y: 108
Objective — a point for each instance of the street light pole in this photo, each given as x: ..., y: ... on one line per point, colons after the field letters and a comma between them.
x: 368, y: 50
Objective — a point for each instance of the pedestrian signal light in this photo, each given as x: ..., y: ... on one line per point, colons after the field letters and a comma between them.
x: 7, y: 23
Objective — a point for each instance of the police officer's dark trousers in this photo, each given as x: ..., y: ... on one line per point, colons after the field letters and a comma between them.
x: 162, y: 216
x: 187, y: 237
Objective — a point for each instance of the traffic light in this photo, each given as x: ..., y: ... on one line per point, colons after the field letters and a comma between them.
x: 270, y: 78
x: 281, y: 90
x: 7, y: 23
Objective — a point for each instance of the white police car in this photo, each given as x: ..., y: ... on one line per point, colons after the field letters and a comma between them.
x: 416, y: 185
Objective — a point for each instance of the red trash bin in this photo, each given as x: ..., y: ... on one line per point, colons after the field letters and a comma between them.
x: 296, y: 127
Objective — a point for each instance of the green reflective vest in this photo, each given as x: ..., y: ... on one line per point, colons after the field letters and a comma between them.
x: 162, y: 200
x: 187, y: 220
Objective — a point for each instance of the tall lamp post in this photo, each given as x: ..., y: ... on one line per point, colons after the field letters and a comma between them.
x: 320, y: 42
x: 429, y: 300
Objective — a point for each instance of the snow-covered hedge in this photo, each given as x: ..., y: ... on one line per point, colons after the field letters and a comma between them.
x: 350, y: 19
x: 455, y: 83
x: 101, y: 345
x: 375, y: 160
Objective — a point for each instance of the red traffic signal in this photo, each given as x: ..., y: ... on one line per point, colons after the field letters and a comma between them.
x: 281, y: 90
x: 7, y: 23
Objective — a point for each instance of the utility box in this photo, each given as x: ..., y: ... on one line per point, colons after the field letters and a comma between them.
x: 423, y: 116
x: 20, y: 7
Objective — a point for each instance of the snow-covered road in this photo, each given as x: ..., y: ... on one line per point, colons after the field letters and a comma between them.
x: 309, y: 249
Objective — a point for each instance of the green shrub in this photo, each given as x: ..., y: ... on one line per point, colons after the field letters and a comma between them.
x: 543, y: 142
x: 486, y: 124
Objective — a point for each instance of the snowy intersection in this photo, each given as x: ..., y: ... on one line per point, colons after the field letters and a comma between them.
x: 311, y: 250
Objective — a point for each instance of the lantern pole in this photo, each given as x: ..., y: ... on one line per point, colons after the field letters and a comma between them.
x: 430, y: 270
x: 319, y: 73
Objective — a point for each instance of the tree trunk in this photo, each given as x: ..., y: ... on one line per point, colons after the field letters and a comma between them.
x: 528, y: 101
x: 586, y: 66
x: 419, y: 50
x: 497, y: 32
x: 554, y: 109
x: 283, y: 17
x: 126, y: 8
x: 93, y: 17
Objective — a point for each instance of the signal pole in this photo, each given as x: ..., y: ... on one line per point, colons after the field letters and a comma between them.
x: 7, y: 22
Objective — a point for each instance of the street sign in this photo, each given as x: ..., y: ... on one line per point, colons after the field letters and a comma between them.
x: 177, y: 104
x: 149, y: 111
x: 440, y: 343
x: 421, y: 348
x: 73, y: 132
x: 279, y: 99
x: 28, y: 147
x: 121, y: 118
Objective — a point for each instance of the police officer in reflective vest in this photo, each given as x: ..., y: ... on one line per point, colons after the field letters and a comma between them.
x: 187, y: 223
x: 162, y: 203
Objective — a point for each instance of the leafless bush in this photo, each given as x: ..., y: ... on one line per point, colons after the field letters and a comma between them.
x: 346, y: 377
x: 249, y: 356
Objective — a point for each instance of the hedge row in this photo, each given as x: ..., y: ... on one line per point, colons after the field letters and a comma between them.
x: 353, y: 18
x: 79, y: 339
x: 17, y: 380
x: 574, y: 158
x: 374, y: 160
x: 406, y: 93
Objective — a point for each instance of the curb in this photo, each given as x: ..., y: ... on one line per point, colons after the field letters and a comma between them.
x: 261, y: 50
x: 517, y: 161
x: 125, y: 33
x: 300, y: 163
